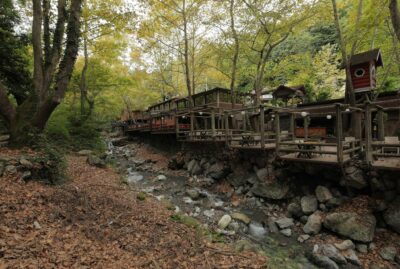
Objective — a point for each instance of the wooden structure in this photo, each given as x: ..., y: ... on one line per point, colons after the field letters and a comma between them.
x: 382, y: 145
x: 319, y: 147
x: 286, y: 93
x: 250, y: 128
x: 207, y: 117
x: 138, y: 121
x: 363, y: 70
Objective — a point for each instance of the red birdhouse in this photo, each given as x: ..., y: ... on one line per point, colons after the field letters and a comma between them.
x: 363, y: 70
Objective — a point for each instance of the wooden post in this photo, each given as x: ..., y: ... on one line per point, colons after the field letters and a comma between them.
x: 339, y: 133
x: 213, y: 123
x: 262, y: 127
x: 177, y: 126
x: 306, y: 122
x: 358, y: 125
x: 381, y: 125
x: 368, y: 134
x: 277, y: 133
x: 244, y: 119
x: 191, y: 122
x: 292, y: 126
x: 226, y: 116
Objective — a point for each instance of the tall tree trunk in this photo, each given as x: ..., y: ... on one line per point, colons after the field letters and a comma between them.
x: 83, y: 84
x: 186, y: 54
x: 395, y: 16
x: 349, y: 94
x: 235, y: 53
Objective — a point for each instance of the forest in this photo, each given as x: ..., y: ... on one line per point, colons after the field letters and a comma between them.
x: 130, y: 54
x: 152, y: 134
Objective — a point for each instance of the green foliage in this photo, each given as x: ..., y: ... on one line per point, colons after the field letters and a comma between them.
x: 67, y: 130
x: 141, y: 196
x: 14, y: 55
x: 52, y: 160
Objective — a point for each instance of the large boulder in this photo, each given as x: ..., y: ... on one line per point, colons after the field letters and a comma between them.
x: 294, y: 210
x: 323, y: 194
x: 314, y: 223
x: 355, y: 226
x: 216, y: 171
x: 355, y: 178
x: 392, y: 215
x: 309, y: 204
x: 194, y: 167
x: 262, y: 174
x: 96, y: 161
x: 275, y: 190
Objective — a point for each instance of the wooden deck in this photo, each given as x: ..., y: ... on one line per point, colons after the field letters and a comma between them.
x: 315, y: 158
x: 387, y: 163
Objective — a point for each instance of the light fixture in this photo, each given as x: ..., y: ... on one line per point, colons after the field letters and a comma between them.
x: 200, y: 113
x: 273, y: 115
x: 243, y: 112
x: 329, y: 117
x: 347, y: 109
x: 183, y: 117
x: 231, y: 116
x: 304, y: 114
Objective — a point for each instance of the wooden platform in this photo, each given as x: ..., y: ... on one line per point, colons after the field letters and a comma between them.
x: 386, y: 164
x: 315, y: 158
x: 270, y: 146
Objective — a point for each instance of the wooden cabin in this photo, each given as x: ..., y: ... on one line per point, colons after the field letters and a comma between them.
x: 136, y: 121
x: 293, y: 95
x: 207, y: 117
x: 363, y: 70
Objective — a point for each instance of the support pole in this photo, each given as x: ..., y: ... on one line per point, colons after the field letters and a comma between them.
x: 226, y: 118
x: 177, y: 126
x: 292, y: 126
x: 213, y: 123
x: 262, y: 128
x: 277, y: 133
x: 306, y: 122
x: 339, y: 133
x: 368, y: 134
x: 381, y: 125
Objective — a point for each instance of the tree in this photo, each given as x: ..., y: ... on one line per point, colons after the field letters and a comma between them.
x: 53, y: 63
x: 395, y: 16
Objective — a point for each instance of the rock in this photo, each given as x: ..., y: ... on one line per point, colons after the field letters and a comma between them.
x: 10, y: 169
x: 37, y: 225
x: 190, y: 165
x: 397, y: 258
x: 241, y: 217
x: 392, y: 215
x: 134, y: 177
x: 287, y: 232
x: 346, y: 244
x: 224, y: 221
x: 302, y: 238
x: 294, y: 210
x: 362, y: 248
x: 356, y: 179
x: 94, y: 160
x: 245, y: 245
x: 85, y: 152
x: 262, y: 174
x: 141, y: 196
x: 272, y: 227
x: 314, y: 223
x: 275, y: 190
x: 388, y: 253
x: 194, y: 167
x: 309, y: 204
x: 321, y: 261
x: 193, y: 194
x: 161, y: 177
x: 352, y: 225
x: 257, y: 230
x: 331, y: 252
x: 234, y: 226
x: 351, y: 256
x: 26, y: 175
x: 25, y: 163
x: 372, y: 246
x: 209, y: 213
x: 304, y: 219
x: 216, y: 171
x: 376, y: 185
x: 334, y: 202
x: 284, y: 223
x: 323, y: 194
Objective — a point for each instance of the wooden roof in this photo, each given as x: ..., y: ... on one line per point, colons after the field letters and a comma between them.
x: 288, y: 92
x: 367, y: 56
x: 216, y: 89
